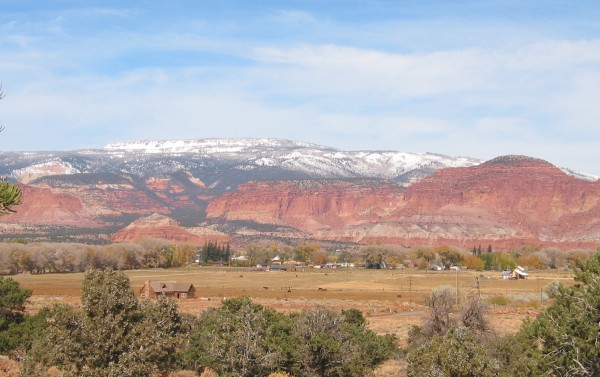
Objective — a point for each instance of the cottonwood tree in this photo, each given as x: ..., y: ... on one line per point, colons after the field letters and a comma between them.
x: 114, y: 335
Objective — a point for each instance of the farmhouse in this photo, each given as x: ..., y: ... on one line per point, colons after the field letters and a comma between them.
x: 168, y: 289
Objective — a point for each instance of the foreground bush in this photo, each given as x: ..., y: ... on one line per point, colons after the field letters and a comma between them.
x: 245, y: 339
x: 564, y: 340
x: 114, y: 335
x: 241, y: 339
x: 456, y: 353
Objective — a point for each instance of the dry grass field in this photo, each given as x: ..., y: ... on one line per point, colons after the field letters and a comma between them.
x: 392, y: 300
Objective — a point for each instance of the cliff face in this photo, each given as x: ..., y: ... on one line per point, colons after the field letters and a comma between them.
x: 531, y: 195
x: 42, y: 206
x: 508, y: 200
x: 84, y: 200
x: 310, y: 204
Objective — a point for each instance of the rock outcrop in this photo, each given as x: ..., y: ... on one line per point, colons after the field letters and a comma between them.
x: 163, y: 227
x: 310, y: 204
x: 44, y: 206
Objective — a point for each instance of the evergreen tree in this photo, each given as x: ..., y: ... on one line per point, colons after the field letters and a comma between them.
x: 564, y: 340
x: 114, y: 335
x: 456, y: 353
x: 12, y: 302
x: 241, y: 339
x: 245, y: 339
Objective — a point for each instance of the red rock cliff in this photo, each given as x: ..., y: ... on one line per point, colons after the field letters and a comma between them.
x: 310, y: 204
x: 511, y: 199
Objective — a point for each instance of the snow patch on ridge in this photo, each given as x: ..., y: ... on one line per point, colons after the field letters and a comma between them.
x: 54, y: 167
x: 579, y: 175
x: 301, y: 157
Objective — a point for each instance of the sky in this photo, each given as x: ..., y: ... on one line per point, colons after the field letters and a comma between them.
x: 462, y: 78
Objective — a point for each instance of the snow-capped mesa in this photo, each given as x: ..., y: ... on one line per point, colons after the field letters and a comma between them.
x: 312, y: 159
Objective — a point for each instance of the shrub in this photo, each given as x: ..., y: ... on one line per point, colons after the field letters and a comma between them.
x: 339, y: 344
x: 455, y: 353
x: 114, y: 335
x: 440, y: 303
x: 245, y: 339
x: 241, y: 338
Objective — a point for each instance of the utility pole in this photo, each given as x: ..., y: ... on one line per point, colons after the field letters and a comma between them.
x: 540, y: 289
x: 410, y: 291
x: 401, y: 298
x: 457, y: 286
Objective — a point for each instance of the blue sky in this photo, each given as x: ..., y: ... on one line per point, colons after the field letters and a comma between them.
x: 468, y: 78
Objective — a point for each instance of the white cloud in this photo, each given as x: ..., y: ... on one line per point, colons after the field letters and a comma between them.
x: 472, y: 99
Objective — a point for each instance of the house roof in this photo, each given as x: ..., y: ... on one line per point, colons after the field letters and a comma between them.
x: 170, y: 286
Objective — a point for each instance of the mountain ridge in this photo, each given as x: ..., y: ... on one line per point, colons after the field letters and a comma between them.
x: 319, y: 192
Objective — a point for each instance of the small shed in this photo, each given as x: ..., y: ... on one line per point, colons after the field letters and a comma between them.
x: 168, y: 289
x: 518, y: 273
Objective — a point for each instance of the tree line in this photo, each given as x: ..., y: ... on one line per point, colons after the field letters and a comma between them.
x: 40, y: 258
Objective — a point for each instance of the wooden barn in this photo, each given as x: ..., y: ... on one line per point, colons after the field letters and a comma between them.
x: 168, y: 289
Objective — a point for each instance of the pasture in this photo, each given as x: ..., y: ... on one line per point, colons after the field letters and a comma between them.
x: 392, y: 300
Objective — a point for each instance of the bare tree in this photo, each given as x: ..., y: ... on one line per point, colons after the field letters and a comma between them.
x: 441, y: 303
x: 474, y: 316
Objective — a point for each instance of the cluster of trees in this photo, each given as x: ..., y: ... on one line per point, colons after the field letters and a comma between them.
x: 39, y: 258
x: 115, y: 334
x: 306, y: 253
x: 214, y: 252
x: 562, y: 341
x: 245, y: 339
x: 445, y: 256
x: 423, y: 257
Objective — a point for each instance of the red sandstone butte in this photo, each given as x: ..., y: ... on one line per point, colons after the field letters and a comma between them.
x: 163, y: 227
